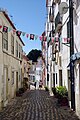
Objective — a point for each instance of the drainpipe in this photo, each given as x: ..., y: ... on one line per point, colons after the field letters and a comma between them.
x: 71, y: 53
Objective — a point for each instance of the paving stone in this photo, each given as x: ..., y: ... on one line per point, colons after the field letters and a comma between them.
x: 36, y: 105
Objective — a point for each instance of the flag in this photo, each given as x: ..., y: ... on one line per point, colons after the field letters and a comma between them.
x: 23, y: 33
x: 18, y: 33
x: 27, y: 35
x: 48, y: 38
x: 5, y: 29
x: 36, y: 36
x: 52, y: 39
x: 68, y: 40
x: 44, y: 38
x: 65, y: 39
x: 31, y: 36
x: 0, y: 26
x: 40, y: 37
x: 60, y: 39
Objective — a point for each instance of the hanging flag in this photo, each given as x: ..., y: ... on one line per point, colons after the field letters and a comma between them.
x: 0, y: 26
x: 48, y: 38
x: 23, y: 33
x: 65, y: 39
x: 18, y: 33
x: 44, y: 38
x: 36, y: 36
x: 60, y: 39
x: 52, y: 39
x: 27, y: 35
x: 40, y: 37
x: 68, y: 40
x: 31, y: 36
x: 5, y: 29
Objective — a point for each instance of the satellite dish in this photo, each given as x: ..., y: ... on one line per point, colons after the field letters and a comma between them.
x: 63, y: 8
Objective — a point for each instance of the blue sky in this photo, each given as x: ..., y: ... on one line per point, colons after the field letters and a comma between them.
x: 28, y: 16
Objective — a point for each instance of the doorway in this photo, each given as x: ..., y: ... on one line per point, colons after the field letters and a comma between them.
x: 16, y: 80
x: 69, y: 85
x: 53, y: 79
x: 60, y: 77
x: 5, y: 84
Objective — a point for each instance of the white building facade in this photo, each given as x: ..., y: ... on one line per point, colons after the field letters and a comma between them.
x: 10, y: 57
x: 49, y: 28
x: 60, y: 72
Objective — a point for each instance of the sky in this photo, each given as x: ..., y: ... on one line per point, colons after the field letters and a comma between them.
x: 28, y: 16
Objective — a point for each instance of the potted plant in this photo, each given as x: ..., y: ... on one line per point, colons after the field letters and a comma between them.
x: 46, y: 88
x: 54, y: 90
x: 18, y: 93
x: 62, y: 95
x: 21, y: 90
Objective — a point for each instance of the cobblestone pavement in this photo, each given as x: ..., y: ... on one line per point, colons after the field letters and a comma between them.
x: 36, y: 105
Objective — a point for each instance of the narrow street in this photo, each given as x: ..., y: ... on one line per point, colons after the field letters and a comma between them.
x: 36, y: 105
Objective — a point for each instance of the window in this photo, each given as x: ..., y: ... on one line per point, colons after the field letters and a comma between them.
x: 53, y: 79
x: 12, y: 78
x: 16, y: 49
x: 56, y: 78
x: 21, y: 53
x: 60, y: 64
x: 19, y: 77
x: 53, y: 9
x: 34, y: 78
x: 5, y: 40
x: 47, y: 25
x: 25, y: 67
x: 19, y: 50
x: 60, y: 77
x: 12, y: 44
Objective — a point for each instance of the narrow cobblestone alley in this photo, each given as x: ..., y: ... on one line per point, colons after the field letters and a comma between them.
x: 36, y: 105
